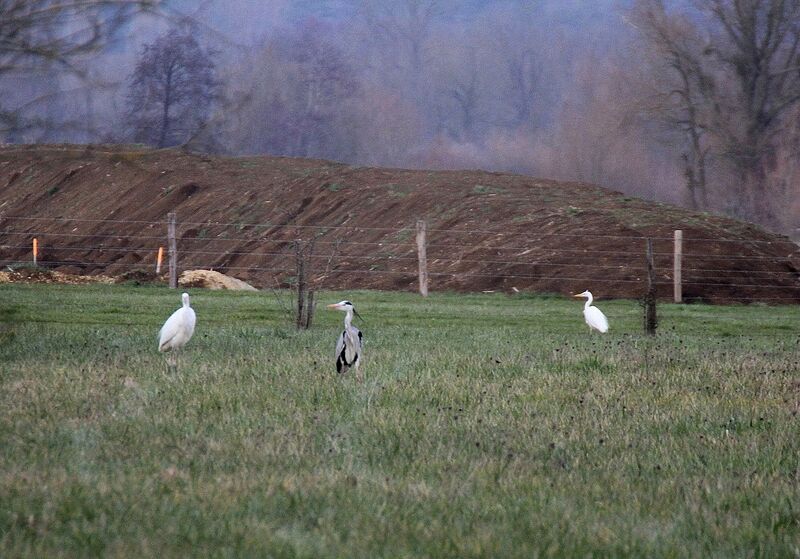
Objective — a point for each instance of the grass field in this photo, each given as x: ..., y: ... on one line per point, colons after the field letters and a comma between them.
x: 487, y: 426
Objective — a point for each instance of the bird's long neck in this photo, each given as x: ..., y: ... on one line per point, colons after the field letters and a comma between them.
x: 348, y: 318
x: 588, y: 302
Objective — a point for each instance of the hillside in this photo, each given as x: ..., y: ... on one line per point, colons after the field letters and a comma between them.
x: 103, y: 210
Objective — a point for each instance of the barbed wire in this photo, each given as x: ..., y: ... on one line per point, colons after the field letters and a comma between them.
x: 695, y: 276
x: 412, y: 274
x: 430, y: 247
x: 409, y: 229
x: 379, y: 257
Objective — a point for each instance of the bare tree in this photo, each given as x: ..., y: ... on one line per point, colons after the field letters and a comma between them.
x: 172, y: 89
x: 465, y: 92
x: 524, y: 73
x: 55, y: 37
x: 303, y: 98
x: 406, y: 24
x: 323, y: 83
x: 521, y: 60
x: 678, y: 92
x: 37, y: 32
x: 758, y: 42
x: 735, y: 70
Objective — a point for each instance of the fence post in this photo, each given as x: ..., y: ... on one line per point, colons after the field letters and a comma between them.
x: 35, y: 250
x: 650, y: 317
x: 676, y: 260
x: 422, y: 257
x: 309, y: 309
x: 301, y: 283
x: 173, y: 250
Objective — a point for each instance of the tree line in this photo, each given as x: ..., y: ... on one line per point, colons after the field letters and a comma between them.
x: 688, y: 102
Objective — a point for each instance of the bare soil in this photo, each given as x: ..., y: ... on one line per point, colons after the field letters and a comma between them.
x: 102, y: 210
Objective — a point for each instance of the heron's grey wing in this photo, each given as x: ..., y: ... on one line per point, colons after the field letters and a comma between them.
x: 352, y: 345
x: 341, y: 363
x: 340, y: 344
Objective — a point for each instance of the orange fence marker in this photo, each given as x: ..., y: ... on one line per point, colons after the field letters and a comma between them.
x: 159, y: 259
x: 35, y: 250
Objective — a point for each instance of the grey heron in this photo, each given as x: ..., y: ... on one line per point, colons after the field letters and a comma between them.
x: 594, y: 316
x: 177, y: 330
x: 348, y: 346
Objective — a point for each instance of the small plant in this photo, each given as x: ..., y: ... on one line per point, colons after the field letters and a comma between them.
x: 24, y: 267
x: 403, y: 235
x: 483, y: 189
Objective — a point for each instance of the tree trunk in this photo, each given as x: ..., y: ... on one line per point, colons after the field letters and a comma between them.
x: 162, y: 140
x: 758, y: 204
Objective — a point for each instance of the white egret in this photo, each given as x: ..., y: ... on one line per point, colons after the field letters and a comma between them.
x: 594, y: 316
x: 177, y: 330
x: 348, y: 346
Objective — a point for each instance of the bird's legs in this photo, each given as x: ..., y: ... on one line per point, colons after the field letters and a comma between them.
x: 172, y: 361
x: 359, y: 376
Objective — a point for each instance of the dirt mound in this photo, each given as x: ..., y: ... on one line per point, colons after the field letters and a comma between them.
x: 210, y: 279
x: 103, y: 210
x: 38, y: 275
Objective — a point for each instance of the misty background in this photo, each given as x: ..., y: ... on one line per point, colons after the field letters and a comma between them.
x: 627, y: 94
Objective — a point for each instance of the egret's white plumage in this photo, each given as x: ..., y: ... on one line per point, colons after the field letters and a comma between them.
x: 349, y: 348
x: 178, y: 328
x: 594, y: 316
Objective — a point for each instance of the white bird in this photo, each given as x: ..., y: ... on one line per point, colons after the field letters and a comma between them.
x: 348, y: 346
x: 594, y: 316
x: 178, y: 329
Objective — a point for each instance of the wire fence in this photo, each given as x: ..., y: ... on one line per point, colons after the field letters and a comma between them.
x: 410, y: 229
x: 743, y: 270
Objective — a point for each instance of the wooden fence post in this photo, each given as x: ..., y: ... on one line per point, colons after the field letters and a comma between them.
x: 309, y: 309
x: 650, y: 317
x: 303, y: 253
x: 676, y: 262
x: 300, y: 319
x: 422, y: 257
x: 173, y: 250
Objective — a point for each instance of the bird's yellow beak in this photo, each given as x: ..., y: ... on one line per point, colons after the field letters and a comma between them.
x: 333, y: 306
x: 578, y: 295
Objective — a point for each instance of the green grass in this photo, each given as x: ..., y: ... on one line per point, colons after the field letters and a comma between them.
x: 487, y: 426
